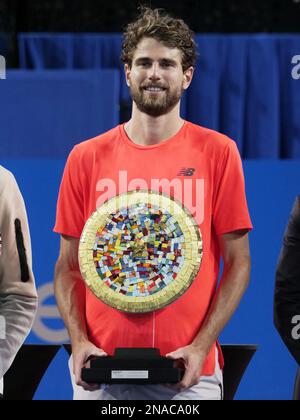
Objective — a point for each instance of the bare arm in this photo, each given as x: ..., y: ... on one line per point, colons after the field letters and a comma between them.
x: 70, y: 296
x: 234, y: 282
x: 70, y: 290
x: 236, y: 256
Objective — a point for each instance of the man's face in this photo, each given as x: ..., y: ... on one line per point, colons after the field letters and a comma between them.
x: 156, y: 79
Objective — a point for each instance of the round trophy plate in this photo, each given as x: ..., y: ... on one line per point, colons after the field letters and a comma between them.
x: 140, y: 251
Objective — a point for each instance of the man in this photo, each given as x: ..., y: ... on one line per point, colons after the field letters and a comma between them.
x: 157, y: 150
x: 18, y: 298
x: 287, y: 288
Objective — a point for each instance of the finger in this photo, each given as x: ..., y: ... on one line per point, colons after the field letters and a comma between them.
x: 99, y: 352
x: 80, y: 363
x: 178, y: 354
x: 89, y: 387
x: 189, y: 383
x: 77, y: 369
x: 96, y: 353
x: 179, y: 364
x: 188, y: 379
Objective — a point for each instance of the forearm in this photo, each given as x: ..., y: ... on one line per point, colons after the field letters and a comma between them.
x: 232, y: 287
x: 70, y: 296
x: 18, y: 314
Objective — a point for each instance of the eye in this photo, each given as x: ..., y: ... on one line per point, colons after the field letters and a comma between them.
x: 144, y: 64
x: 166, y: 65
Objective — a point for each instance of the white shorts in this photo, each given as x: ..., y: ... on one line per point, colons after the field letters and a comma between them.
x: 208, y: 388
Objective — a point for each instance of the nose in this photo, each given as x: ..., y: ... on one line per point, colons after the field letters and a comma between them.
x: 154, y: 72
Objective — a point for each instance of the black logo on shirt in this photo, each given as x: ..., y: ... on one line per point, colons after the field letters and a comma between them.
x: 187, y: 172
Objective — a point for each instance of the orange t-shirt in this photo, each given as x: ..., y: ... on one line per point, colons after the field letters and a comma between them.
x: 199, y: 167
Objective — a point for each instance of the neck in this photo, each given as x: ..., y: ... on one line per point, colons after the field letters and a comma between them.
x: 146, y: 130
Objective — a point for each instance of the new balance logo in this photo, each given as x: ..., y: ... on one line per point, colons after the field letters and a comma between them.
x: 186, y: 172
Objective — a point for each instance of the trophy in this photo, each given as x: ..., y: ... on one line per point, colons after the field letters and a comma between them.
x: 139, y: 252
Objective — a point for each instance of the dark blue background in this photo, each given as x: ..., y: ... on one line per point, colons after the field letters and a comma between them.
x: 243, y: 84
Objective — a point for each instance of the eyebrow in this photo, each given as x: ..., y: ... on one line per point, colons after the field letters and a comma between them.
x: 149, y: 60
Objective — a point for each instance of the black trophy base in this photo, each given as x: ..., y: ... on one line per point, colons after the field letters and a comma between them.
x: 138, y: 366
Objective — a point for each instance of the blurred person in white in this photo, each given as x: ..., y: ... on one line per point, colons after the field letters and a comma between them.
x: 18, y: 296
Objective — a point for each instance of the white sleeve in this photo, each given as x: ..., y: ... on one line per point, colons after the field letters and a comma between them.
x: 18, y: 297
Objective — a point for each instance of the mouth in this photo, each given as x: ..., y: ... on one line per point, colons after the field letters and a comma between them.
x: 154, y: 89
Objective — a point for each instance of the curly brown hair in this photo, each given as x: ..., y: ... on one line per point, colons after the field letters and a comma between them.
x: 157, y: 24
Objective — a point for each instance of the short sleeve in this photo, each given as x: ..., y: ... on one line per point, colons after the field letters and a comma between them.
x: 70, y: 204
x: 230, y: 210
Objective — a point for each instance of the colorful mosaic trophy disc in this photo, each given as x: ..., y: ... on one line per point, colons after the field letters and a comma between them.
x: 140, y: 251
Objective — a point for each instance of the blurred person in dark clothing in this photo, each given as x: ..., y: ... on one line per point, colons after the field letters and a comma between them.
x: 287, y: 287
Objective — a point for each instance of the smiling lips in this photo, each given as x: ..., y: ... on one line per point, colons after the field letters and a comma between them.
x: 154, y: 89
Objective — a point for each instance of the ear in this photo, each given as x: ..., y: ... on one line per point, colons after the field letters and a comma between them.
x: 188, y: 77
x: 127, y: 71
